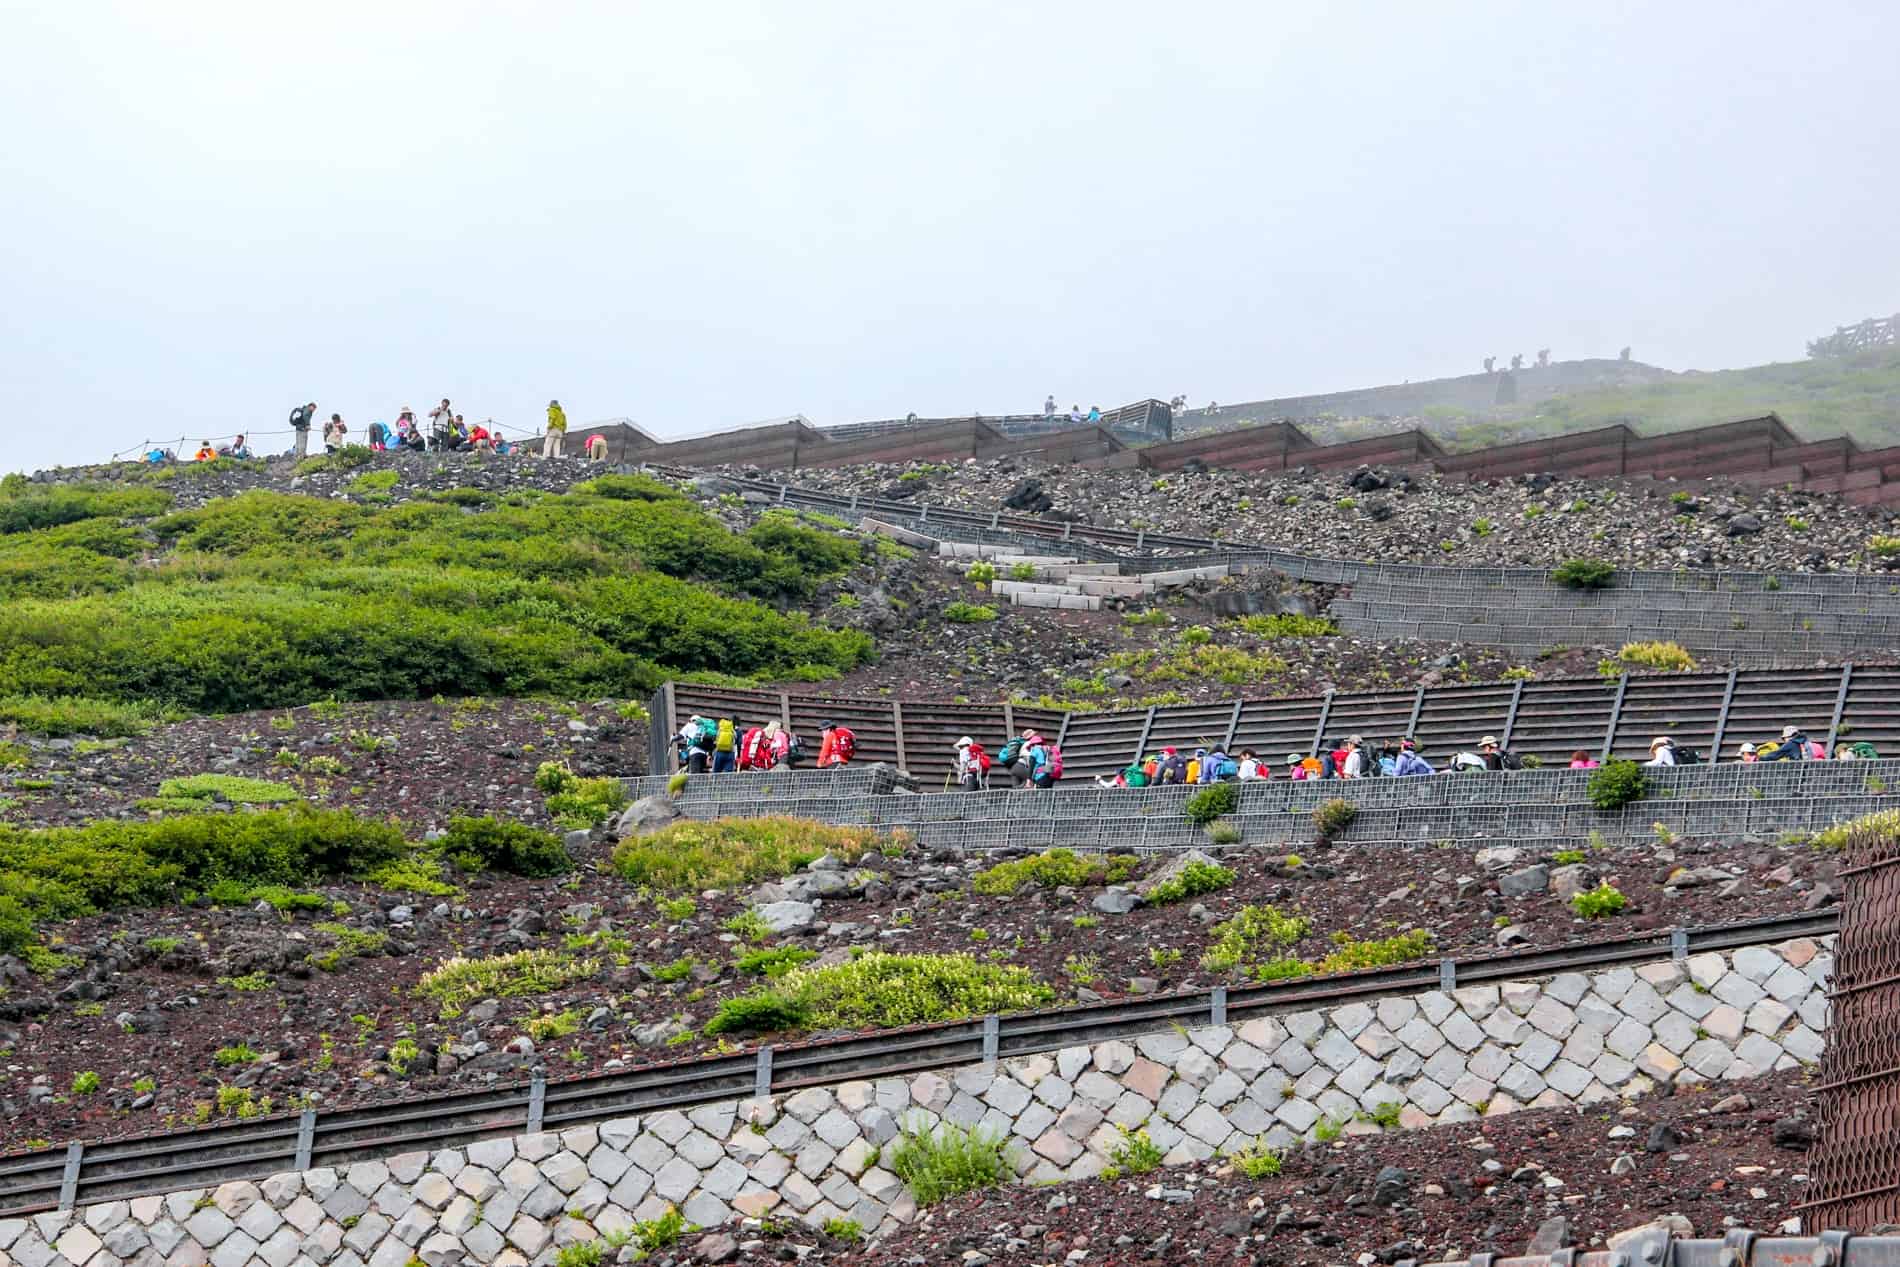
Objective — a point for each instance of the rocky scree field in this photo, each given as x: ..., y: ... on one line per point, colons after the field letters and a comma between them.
x: 1396, y: 517
x: 414, y: 964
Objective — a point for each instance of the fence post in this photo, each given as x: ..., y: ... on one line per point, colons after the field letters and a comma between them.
x: 1009, y: 720
x: 1068, y: 529
x: 854, y: 503
x: 1510, y: 717
x: 995, y: 515
x: 897, y: 725
x: 923, y: 516
x: 1140, y: 536
x: 306, y: 1138
x: 1233, y: 728
x: 782, y: 490
x: 1840, y: 703
x: 1418, y: 706
x: 992, y: 1037
x: 537, y: 1100
x: 1616, y: 715
x: 1721, y: 718
x: 1141, y: 744
x: 1063, y: 734
x: 762, y: 1074
x: 69, y: 1178
x: 785, y: 711
x: 1319, y: 731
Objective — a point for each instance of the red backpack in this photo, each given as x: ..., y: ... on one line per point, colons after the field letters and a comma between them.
x: 982, y: 758
x: 752, y: 750
x: 1055, y: 761
x: 844, y: 744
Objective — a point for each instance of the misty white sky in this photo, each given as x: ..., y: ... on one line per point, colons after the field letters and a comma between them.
x: 699, y: 215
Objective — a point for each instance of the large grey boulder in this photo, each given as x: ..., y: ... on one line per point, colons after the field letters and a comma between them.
x: 646, y: 816
x: 787, y: 916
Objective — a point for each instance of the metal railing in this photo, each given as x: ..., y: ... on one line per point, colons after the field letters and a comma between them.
x: 83, y: 1174
x: 1549, y: 719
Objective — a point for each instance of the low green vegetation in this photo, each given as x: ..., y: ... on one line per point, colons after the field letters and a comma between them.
x: 1133, y: 1154
x: 1258, y: 1162
x: 200, y: 791
x: 1669, y: 657
x: 1288, y: 625
x: 693, y: 856
x: 577, y: 803
x: 1604, y: 900
x: 458, y: 982
x: 493, y: 844
x: 1052, y: 869
x: 773, y: 961
x: 968, y: 613
x: 1250, y: 931
x: 1211, y: 802
x: 273, y: 599
x: 1330, y: 818
x: 948, y: 1160
x: 1616, y: 783
x: 879, y: 991
x: 1583, y: 574
x: 1191, y: 880
x: 66, y: 872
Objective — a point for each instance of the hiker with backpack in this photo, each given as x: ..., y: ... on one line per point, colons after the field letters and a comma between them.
x: 1408, y: 763
x: 1296, y: 766
x: 752, y: 749
x: 1661, y: 751
x: 300, y: 427
x: 1251, y: 767
x: 1357, y: 763
x: 1218, y: 767
x: 1045, y: 760
x: 1794, y: 746
x: 838, y: 747
x: 1497, y: 757
x: 1172, y: 768
x: 973, y: 765
x: 696, y: 744
x: 725, y: 758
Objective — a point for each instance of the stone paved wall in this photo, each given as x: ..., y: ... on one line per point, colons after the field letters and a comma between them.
x: 1441, y: 1057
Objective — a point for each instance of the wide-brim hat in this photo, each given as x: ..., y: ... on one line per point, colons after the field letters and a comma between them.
x: 964, y: 742
x: 1489, y: 741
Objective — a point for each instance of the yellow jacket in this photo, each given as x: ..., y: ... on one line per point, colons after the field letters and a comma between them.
x: 557, y: 418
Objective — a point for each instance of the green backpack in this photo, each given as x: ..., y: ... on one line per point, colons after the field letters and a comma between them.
x: 1135, y: 776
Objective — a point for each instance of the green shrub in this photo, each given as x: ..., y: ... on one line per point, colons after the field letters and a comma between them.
x: 1605, y: 899
x: 1616, y: 783
x: 16, y: 925
x: 420, y: 874
x: 1385, y: 1115
x: 775, y: 961
x: 1883, y: 547
x: 1250, y: 930
x: 629, y: 488
x: 64, y: 715
x: 728, y: 852
x: 1350, y: 954
x: 236, y: 1054
x: 515, y: 848
x: 1022, y: 572
x: 347, y: 458
x: 273, y: 599
x: 880, y: 991
x: 1333, y: 817
x: 373, y: 482
x: 1568, y: 857
x: 1223, y: 834
x: 948, y: 1160
x: 1258, y: 1162
x: 1668, y: 656
x: 1289, y: 626
x: 1051, y: 869
x: 1191, y: 880
x: 1211, y: 802
x: 968, y: 613
x: 457, y: 982
x: 85, y: 1082
x: 65, y: 872
x: 660, y: 1233
x: 1583, y: 574
x: 1133, y: 1154
x: 579, y: 803
x: 844, y: 1230
x: 209, y: 788
x: 982, y: 572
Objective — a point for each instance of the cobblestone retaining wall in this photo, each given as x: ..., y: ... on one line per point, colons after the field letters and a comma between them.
x: 818, y: 1154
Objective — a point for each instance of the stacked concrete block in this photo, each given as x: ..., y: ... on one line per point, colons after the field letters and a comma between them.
x: 823, y: 1153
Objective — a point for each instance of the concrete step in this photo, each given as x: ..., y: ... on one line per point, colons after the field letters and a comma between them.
x: 1001, y: 587
x: 1065, y: 602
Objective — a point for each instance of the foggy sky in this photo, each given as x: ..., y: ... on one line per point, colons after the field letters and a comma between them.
x: 700, y: 215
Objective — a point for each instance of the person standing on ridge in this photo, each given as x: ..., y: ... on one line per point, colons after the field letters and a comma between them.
x: 557, y: 430
x: 442, y: 420
x: 300, y: 425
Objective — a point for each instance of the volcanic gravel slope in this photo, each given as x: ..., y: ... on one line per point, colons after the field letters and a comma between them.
x: 1530, y: 520
x: 323, y: 996
x: 1703, y: 1160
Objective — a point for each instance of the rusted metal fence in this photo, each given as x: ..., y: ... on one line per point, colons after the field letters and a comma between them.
x: 1856, y: 1161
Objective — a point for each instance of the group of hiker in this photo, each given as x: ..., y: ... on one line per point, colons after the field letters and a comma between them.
x: 446, y: 432
x: 717, y: 745
x: 1030, y: 760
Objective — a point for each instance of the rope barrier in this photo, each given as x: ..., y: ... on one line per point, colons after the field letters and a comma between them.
x: 518, y: 434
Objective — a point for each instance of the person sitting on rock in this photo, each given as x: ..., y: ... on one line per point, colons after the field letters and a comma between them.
x: 1794, y: 746
x: 479, y: 439
x: 1173, y: 767
x: 205, y: 452
x: 334, y: 433
x: 236, y: 449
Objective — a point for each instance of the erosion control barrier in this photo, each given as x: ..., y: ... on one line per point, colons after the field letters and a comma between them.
x: 1656, y: 1246
x: 1761, y: 802
x: 1714, y: 712
x: 1499, y: 1043
x: 1753, y: 615
x: 1856, y: 1163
